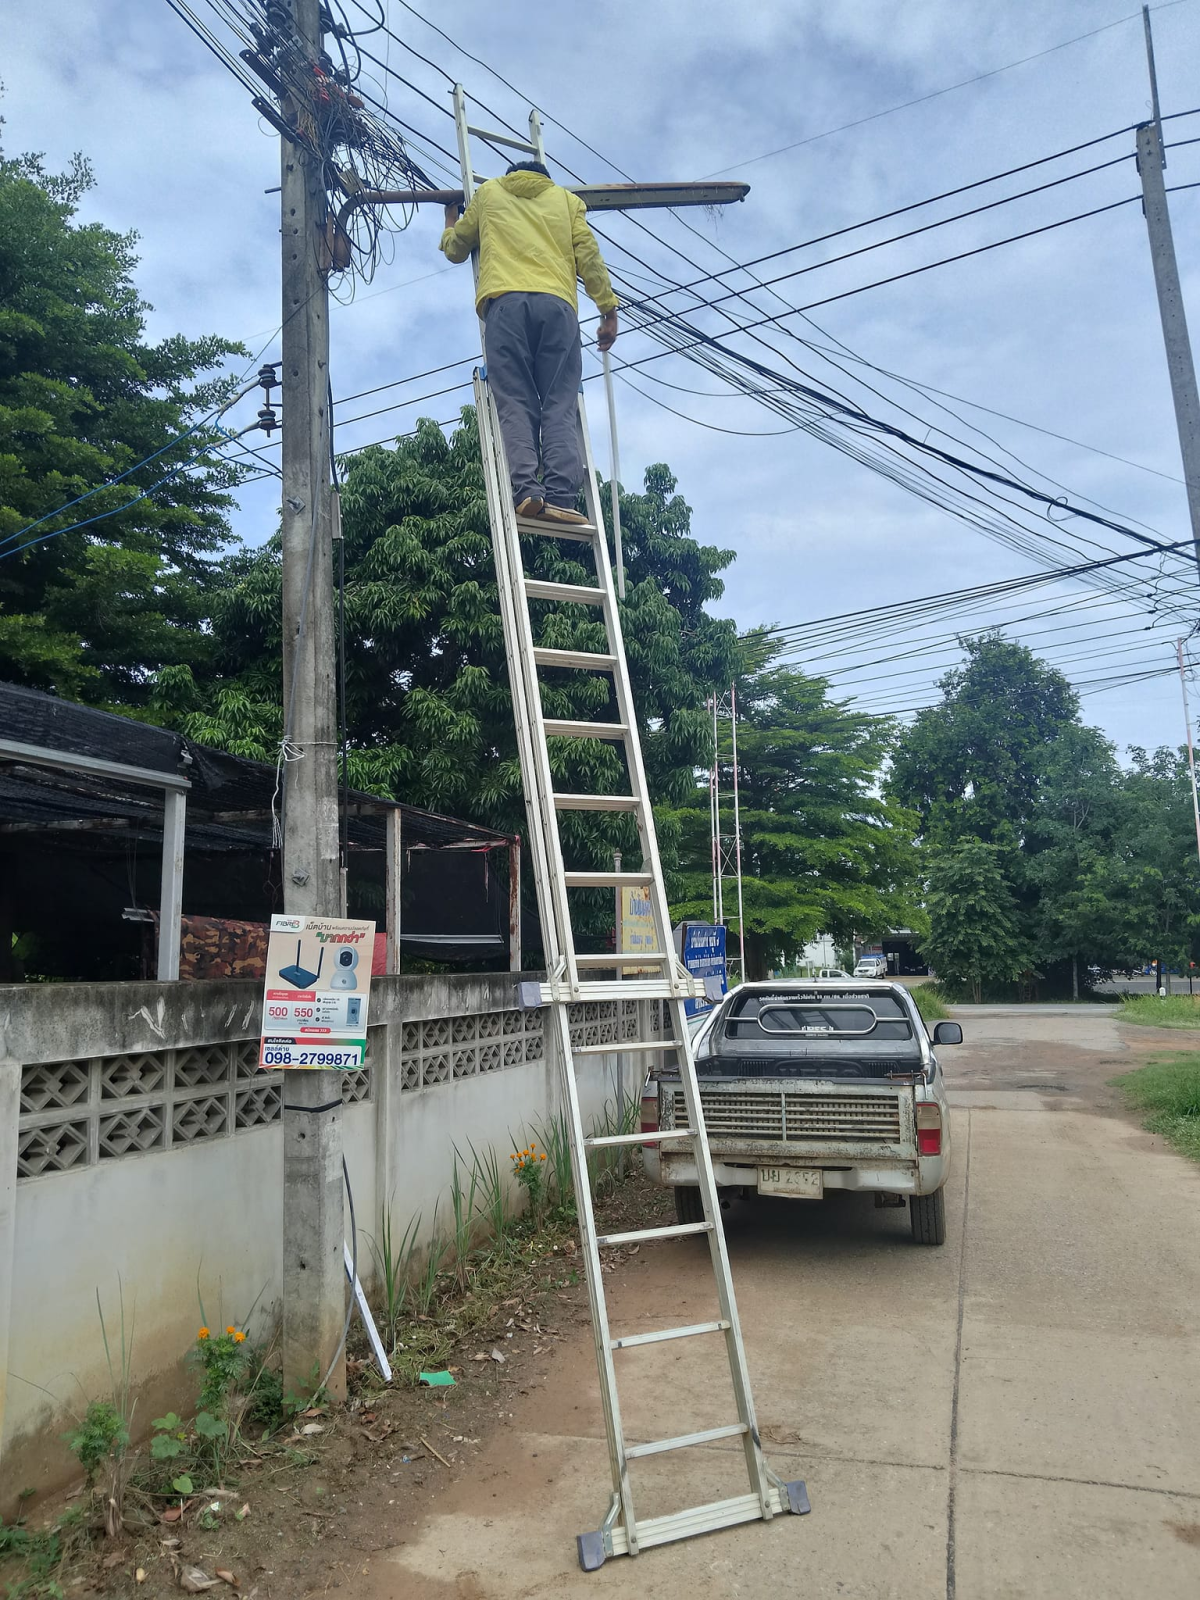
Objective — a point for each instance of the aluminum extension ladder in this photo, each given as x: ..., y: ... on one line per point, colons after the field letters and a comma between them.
x: 571, y: 971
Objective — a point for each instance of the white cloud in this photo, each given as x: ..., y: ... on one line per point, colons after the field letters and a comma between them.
x: 1061, y: 330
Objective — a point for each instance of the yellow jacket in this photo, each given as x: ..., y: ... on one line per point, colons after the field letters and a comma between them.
x: 531, y: 236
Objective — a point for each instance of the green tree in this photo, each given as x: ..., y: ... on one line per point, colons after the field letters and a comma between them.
x: 822, y: 851
x: 975, y: 934
x: 1155, y: 877
x: 971, y: 766
x: 94, y: 612
x: 1067, y: 866
x: 428, y: 706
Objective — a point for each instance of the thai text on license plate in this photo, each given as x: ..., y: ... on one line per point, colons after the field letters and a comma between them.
x: 796, y: 1183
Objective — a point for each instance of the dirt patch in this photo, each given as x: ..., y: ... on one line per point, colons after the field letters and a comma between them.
x: 1189, y: 1532
x: 303, y: 1510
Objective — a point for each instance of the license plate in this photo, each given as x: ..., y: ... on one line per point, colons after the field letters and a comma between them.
x: 797, y: 1183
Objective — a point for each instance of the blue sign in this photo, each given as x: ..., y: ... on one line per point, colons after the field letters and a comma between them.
x: 703, y: 954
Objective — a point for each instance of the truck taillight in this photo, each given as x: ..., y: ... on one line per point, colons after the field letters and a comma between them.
x: 929, y: 1128
x: 650, y: 1107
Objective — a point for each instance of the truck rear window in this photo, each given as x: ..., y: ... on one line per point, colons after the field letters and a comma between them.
x: 761, y: 1017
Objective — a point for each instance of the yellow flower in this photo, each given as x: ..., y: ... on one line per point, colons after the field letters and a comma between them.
x: 203, y: 1334
x: 239, y: 1337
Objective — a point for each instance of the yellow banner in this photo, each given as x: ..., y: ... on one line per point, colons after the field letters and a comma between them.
x: 637, y: 930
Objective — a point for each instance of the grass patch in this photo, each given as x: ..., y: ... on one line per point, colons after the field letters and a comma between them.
x: 1161, y: 1011
x: 930, y: 1002
x: 1167, y: 1093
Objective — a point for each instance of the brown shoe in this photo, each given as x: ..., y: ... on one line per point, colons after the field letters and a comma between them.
x: 562, y: 514
x: 531, y: 506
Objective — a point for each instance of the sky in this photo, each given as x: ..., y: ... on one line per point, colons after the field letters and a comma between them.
x: 1051, y: 346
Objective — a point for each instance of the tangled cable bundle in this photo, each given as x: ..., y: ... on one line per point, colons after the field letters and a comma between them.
x: 317, y: 108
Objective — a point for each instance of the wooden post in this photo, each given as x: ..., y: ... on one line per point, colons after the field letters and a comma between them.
x: 514, y: 903
x: 394, y: 871
x: 170, y: 900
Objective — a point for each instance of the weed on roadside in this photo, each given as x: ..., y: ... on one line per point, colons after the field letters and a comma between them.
x: 32, y: 1562
x: 1167, y: 1091
x: 1161, y: 1011
x: 930, y: 1002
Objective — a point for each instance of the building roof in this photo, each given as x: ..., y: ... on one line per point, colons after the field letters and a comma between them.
x: 230, y: 800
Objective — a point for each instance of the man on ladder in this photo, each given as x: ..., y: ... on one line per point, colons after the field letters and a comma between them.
x: 534, y: 243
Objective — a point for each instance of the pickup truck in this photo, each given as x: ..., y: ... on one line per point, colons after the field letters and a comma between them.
x: 811, y: 1086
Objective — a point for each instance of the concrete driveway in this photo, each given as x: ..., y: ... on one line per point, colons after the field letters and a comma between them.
x: 1016, y: 1414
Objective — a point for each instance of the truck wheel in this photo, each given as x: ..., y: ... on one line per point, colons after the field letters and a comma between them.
x: 687, y: 1203
x: 927, y: 1213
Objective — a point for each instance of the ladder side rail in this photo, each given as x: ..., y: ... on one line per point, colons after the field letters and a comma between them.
x: 756, y: 1466
x: 625, y: 707
x: 739, y: 1374
x: 553, y: 904
x: 523, y: 716
x: 594, y: 1276
x: 464, y: 152
x: 535, y: 135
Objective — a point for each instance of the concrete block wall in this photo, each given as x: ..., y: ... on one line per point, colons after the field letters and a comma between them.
x: 144, y: 1160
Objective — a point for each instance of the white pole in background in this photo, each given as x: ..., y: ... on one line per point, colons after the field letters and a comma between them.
x: 1187, y: 722
x: 615, y: 457
x: 737, y: 830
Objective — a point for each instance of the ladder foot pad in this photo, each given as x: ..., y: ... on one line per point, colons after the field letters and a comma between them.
x: 798, y: 1501
x: 591, y: 1551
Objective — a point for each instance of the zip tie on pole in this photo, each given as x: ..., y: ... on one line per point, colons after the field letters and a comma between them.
x: 614, y: 486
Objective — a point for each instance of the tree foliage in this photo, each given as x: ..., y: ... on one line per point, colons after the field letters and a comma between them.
x: 975, y: 934
x: 823, y: 852
x: 429, y: 710
x: 95, y: 611
x: 971, y: 766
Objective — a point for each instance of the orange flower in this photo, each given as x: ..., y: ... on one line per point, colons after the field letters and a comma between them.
x: 230, y: 1328
x: 239, y: 1337
x: 203, y: 1333
x: 542, y: 1157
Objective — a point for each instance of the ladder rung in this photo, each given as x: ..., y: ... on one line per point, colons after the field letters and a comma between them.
x: 605, y: 1140
x: 596, y: 802
x: 622, y: 1045
x: 562, y: 728
x: 664, y: 988
x: 584, y: 532
x: 632, y: 1339
x: 589, y: 661
x: 610, y: 880
x: 627, y: 958
x: 675, y: 1231
x: 683, y: 1440
x: 581, y: 594
x: 492, y: 137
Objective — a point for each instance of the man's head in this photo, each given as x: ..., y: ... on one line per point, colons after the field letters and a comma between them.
x: 528, y: 166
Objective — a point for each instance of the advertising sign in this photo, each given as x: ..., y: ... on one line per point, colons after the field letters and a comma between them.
x: 701, y: 947
x: 317, y: 990
x: 637, y: 930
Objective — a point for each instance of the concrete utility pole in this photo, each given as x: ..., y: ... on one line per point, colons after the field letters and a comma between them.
x: 313, y: 1270
x: 1151, y: 161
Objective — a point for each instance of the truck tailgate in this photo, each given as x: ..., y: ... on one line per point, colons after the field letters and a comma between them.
x: 794, y: 1120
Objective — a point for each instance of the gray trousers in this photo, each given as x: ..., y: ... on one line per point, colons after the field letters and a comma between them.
x: 534, y: 365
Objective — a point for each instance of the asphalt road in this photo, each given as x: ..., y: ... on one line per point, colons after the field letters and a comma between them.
x: 1013, y: 1415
